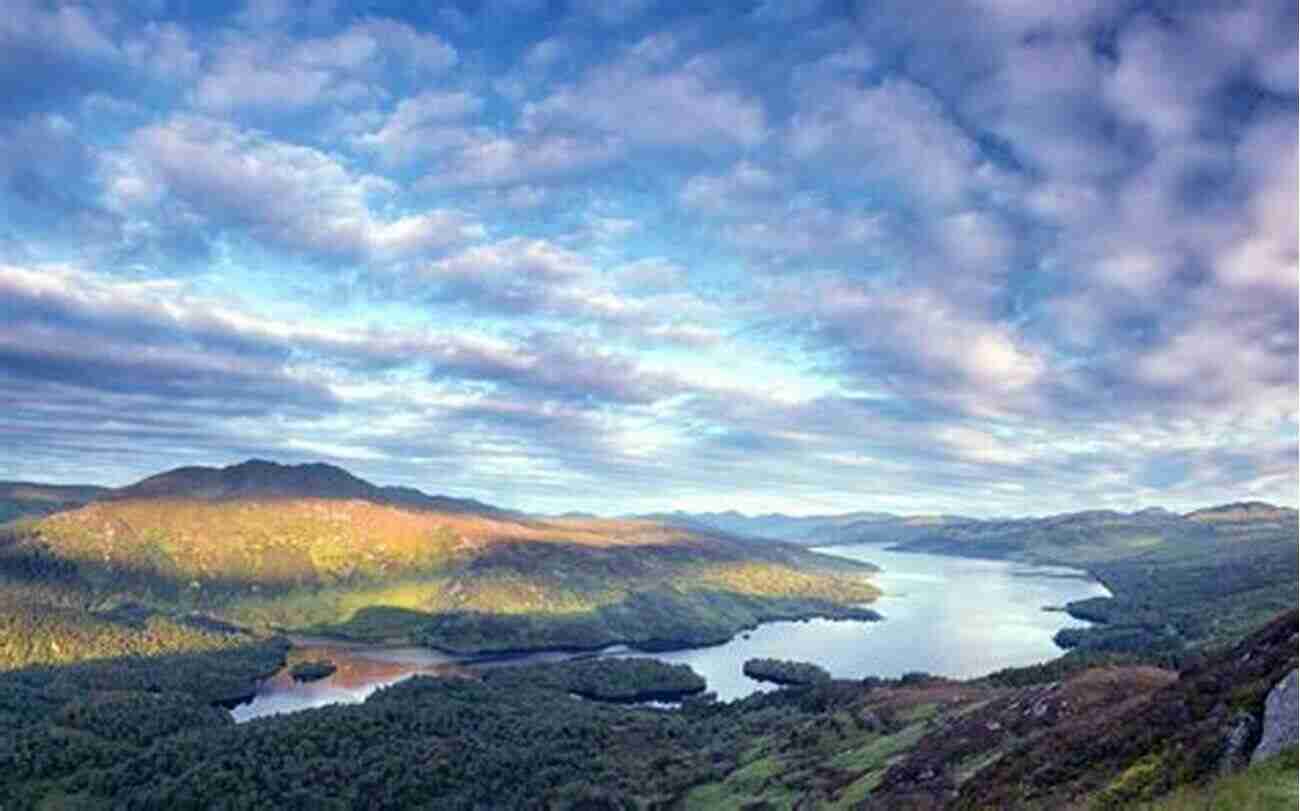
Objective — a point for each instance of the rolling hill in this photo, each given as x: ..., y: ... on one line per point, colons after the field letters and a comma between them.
x: 1180, y: 581
x: 24, y: 499
x: 272, y: 547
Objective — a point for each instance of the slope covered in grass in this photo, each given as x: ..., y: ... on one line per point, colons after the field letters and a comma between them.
x: 272, y: 547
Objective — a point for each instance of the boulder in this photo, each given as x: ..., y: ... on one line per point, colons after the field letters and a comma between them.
x: 1280, y: 720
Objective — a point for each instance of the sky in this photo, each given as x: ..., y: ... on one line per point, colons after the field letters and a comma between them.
x: 970, y: 256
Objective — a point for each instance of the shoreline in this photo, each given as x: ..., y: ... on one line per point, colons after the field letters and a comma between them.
x: 318, y: 638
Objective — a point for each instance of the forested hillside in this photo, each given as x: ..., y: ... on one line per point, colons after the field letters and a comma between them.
x: 269, y: 547
x: 1179, y: 581
x: 114, y: 735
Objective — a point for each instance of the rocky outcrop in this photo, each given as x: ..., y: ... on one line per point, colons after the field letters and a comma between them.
x: 1280, y: 720
x: 1235, y: 753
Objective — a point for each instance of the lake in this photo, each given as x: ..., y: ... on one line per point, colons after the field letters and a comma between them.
x: 949, y: 616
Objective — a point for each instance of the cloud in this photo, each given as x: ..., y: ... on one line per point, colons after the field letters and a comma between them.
x: 896, y: 130
x: 744, y: 185
x: 67, y: 328
x: 482, y: 158
x: 272, y: 71
x: 552, y: 366
x: 918, y: 346
x: 834, y: 257
x: 520, y: 277
x: 49, y: 53
x: 287, y: 196
x: 689, y: 105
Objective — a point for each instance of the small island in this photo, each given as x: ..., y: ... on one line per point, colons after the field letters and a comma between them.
x: 621, y: 680
x: 780, y: 671
x: 313, y: 670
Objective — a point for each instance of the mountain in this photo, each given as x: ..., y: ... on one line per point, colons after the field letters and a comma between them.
x: 808, y: 530
x: 1091, y: 536
x: 314, y: 548
x: 261, y: 479
x: 253, y: 479
x: 996, y: 537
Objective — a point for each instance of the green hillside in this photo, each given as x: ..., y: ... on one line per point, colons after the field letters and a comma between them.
x: 204, y: 542
x: 27, y: 499
x: 1180, y: 582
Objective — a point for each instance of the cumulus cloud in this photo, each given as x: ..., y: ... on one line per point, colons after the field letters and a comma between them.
x: 744, y: 185
x: 68, y: 328
x: 686, y: 105
x: 896, y: 130
x: 919, y: 346
x: 515, y: 274
x: 269, y: 70
x: 835, y: 257
x: 294, y: 197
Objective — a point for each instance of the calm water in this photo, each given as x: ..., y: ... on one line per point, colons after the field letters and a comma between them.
x: 948, y: 616
x: 944, y: 615
x: 363, y: 669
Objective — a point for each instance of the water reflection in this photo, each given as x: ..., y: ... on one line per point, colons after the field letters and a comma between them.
x: 361, y: 671
x: 948, y: 616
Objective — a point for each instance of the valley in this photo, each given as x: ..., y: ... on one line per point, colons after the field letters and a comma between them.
x: 138, y: 626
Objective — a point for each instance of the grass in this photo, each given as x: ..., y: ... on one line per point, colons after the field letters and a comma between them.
x: 876, y: 754
x: 1267, y: 786
x: 747, y: 785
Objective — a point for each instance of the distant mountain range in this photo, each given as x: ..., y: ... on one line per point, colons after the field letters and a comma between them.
x: 263, y: 479
x: 960, y: 534
x: 776, y: 526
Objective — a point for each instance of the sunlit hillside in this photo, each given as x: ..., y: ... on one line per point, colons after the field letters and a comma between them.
x: 205, y: 541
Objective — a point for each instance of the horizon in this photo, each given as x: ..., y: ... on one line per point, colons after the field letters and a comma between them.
x: 670, y: 510
x: 797, y: 258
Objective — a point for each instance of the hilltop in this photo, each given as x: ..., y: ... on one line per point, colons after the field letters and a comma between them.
x: 264, y: 480
x: 254, y: 478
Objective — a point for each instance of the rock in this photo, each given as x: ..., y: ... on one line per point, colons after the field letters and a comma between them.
x: 1234, y: 756
x: 1280, y: 720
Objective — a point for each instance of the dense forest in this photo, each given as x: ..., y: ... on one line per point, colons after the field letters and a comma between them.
x: 780, y: 671
x: 1117, y: 735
